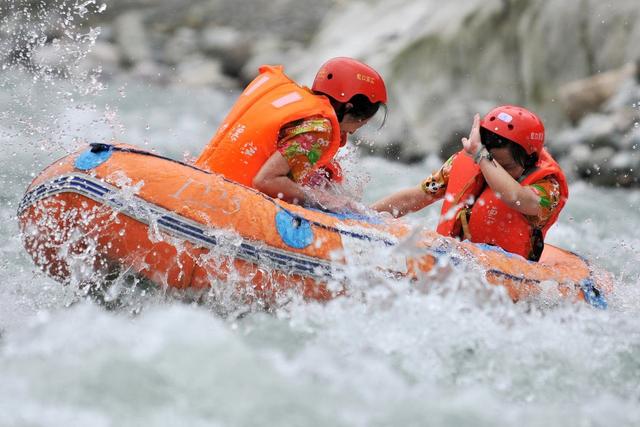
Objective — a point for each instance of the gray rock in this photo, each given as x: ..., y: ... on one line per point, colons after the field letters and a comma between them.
x: 624, y: 161
x: 106, y: 33
x: 295, y: 20
x: 601, y: 157
x: 625, y: 135
x: 630, y: 141
x: 182, y: 44
x: 131, y: 37
x: 272, y: 51
x: 200, y: 71
x: 582, y: 157
x: 150, y: 71
x: 585, y: 96
x: 565, y: 142
x: 625, y: 167
x: 229, y: 45
x: 598, y: 130
x: 621, y: 161
x: 389, y: 141
x: 627, y: 96
x: 626, y: 118
x: 600, y: 170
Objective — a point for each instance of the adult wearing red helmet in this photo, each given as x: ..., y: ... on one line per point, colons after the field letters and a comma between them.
x: 503, y: 188
x: 280, y: 135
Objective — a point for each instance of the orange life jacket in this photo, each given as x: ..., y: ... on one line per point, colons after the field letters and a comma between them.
x: 490, y: 220
x: 249, y: 134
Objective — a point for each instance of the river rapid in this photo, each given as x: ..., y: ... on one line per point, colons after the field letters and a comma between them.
x: 455, y: 352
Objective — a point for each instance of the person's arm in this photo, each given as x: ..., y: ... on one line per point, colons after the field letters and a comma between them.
x: 522, y: 199
x: 413, y: 199
x: 298, y: 143
x: 404, y: 202
x: 273, y: 180
x: 517, y: 197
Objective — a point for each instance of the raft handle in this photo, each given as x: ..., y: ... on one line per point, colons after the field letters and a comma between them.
x: 98, y: 147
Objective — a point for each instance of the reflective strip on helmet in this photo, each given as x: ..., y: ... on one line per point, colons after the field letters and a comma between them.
x: 259, y: 82
x: 507, y: 118
x: 287, y: 99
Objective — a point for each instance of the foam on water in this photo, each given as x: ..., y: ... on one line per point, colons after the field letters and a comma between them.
x: 449, y: 358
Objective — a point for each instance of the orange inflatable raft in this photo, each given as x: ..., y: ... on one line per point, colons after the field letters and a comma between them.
x: 118, y: 207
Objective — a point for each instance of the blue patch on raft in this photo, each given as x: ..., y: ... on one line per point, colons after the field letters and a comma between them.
x: 294, y: 230
x: 593, y: 295
x: 92, y: 158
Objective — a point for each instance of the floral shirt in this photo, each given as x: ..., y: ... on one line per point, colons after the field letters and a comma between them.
x: 548, y: 189
x: 302, y: 144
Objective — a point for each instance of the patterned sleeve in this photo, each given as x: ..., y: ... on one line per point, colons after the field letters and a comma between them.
x: 548, y: 189
x: 302, y: 143
x: 435, y: 184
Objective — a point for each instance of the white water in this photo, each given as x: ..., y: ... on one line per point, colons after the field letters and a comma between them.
x: 457, y: 353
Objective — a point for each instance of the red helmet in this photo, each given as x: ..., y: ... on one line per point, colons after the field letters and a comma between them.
x: 516, y: 124
x: 342, y: 78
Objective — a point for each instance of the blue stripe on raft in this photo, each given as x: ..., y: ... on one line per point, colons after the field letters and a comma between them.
x: 184, y: 230
x: 91, y: 184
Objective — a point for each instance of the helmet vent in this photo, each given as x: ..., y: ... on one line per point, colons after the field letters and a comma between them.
x: 329, y: 76
x: 492, y: 118
x: 510, y: 126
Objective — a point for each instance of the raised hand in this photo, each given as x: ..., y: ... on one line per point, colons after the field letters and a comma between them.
x: 473, y: 144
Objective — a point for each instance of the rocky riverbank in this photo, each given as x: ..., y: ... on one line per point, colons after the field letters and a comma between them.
x: 442, y: 61
x: 603, y: 143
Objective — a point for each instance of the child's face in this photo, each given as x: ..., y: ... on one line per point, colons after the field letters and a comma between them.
x: 504, y: 157
x: 349, y: 124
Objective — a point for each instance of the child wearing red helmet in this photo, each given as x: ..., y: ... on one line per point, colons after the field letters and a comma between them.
x: 280, y: 136
x: 503, y: 188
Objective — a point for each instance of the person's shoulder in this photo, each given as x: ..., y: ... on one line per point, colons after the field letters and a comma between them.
x: 308, y: 124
